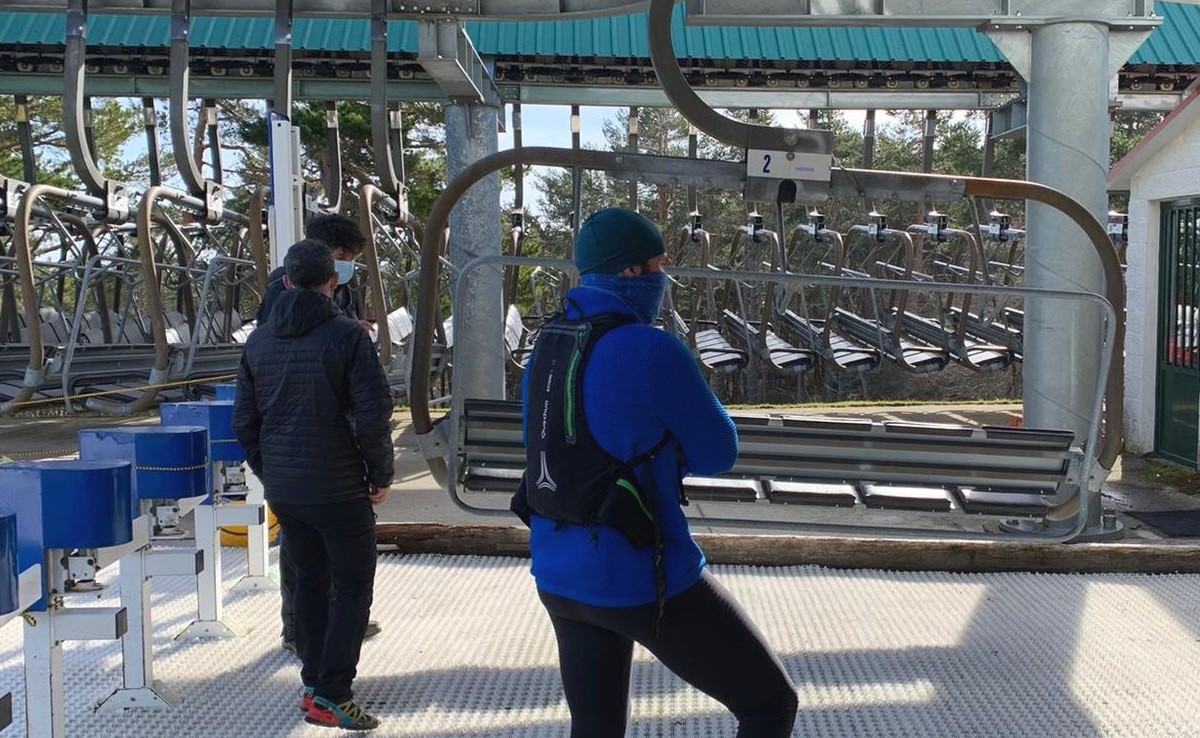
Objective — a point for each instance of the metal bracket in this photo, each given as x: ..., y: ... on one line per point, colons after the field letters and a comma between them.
x: 443, y: 8
x: 10, y: 196
x: 81, y: 573
x: 167, y: 521
x: 116, y: 201
x: 436, y: 443
x: 214, y: 201
x: 447, y: 54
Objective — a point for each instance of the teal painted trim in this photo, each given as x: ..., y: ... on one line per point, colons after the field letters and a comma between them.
x: 622, y: 37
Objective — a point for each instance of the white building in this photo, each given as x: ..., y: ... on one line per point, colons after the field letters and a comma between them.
x: 1162, y: 364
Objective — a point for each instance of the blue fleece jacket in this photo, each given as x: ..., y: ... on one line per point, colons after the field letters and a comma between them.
x: 638, y: 382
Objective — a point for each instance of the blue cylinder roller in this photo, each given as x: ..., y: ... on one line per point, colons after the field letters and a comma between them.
x: 168, y: 463
x: 9, y: 567
x: 67, y: 504
x: 226, y: 391
x: 216, y: 417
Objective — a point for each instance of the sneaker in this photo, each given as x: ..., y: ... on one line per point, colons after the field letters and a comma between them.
x: 306, y: 699
x: 373, y: 629
x: 289, y: 646
x: 347, y: 715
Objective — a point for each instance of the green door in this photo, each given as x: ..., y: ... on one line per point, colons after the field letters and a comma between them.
x: 1178, y: 413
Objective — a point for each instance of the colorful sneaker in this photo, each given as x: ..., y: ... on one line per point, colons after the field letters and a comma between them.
x: 306, y: 699
x: 347, y: 715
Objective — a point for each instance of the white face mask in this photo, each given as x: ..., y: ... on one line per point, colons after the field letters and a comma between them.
x: 345, y: 271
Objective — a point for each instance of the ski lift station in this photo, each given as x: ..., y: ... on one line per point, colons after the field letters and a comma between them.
x: 1014, y: 567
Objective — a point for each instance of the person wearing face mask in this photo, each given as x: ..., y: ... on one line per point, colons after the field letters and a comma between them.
x: 616, y: 413
x: 345, y: 242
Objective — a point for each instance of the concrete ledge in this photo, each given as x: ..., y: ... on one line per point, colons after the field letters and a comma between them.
x: 839, y: 553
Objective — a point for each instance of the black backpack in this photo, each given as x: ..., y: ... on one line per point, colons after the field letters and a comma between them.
x: 568, y: 476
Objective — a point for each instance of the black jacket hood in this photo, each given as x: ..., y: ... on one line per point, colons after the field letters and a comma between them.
x: 297, y: 312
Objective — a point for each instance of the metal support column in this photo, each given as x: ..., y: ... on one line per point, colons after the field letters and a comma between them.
x: 287, y: 200
x: 868, y: 160
x: 45, y: 678
x: 989, y: 163
x: 928, y: 140
x: 25, y: 134
x: 693, y: 152
x: 257, y: 540
x: 576, y: 181
x: 471, y: 135
x: 1067, y: 148
x: 633, y: 149
x: 139, y: 688
x: 150, y: 121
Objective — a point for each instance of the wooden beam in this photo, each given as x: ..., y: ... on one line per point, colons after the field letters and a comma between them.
x: 838, y: 553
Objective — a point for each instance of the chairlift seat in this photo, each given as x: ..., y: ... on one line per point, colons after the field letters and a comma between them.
x: 782, y: 355
x: 834, y: 462
x: 992, y: 332
x: 973, y: 354
x: 844, y: 353
x: 717, y: 354
x: 918, y: 358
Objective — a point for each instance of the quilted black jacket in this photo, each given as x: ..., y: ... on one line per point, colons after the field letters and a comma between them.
x: 313, y: 409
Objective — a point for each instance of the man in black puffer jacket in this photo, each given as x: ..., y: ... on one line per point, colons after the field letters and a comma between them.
x: 346, y: 241
x: 313, y: 413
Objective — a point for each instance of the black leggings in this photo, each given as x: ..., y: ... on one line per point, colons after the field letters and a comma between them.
x: 704, y: 637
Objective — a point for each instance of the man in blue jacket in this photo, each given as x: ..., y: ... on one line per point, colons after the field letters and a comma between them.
x: 648, y: 412
x: 313, y: 413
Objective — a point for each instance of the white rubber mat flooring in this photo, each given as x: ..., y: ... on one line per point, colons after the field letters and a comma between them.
x: 467, y: 650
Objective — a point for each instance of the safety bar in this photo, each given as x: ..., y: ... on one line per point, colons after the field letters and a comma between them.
x: 732, y: 175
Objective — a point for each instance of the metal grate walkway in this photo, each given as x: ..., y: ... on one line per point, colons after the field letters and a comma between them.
x: 467, y: 651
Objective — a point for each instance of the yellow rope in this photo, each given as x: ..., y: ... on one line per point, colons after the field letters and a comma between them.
x: 124, y: 390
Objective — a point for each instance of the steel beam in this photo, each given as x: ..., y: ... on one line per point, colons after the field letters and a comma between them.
x: 701, y: 12
x: 13, y: 83
x: 426, y: 9
x: 447, y: 54
x: 964, y: 13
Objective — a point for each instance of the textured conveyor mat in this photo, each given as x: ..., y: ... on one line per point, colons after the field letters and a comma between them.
x: 466, y: 650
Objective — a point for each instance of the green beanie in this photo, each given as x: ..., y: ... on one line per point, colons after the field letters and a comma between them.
x: 614, y: 239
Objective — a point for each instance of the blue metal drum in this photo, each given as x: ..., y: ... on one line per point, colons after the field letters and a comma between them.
x: 10, y: 599
x: 168, y: 463
x: 216, y: 417
x: 226, y: 391
x: 67, y: 504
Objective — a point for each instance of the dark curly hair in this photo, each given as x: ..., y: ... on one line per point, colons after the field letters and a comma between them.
x: 309, y: 263
x: 338, y: 231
